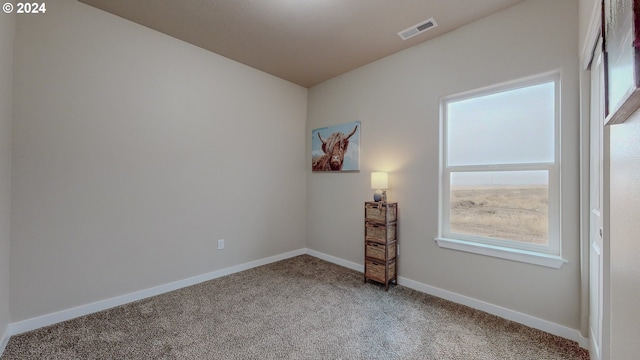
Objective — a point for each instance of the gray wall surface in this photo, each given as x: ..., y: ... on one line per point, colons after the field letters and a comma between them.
x: 397, y: 100
x: 134, y: 153
x: 624, y: 238
x: 7, y: 27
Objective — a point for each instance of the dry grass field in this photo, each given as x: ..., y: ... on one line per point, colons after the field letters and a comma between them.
x: 518, y: 212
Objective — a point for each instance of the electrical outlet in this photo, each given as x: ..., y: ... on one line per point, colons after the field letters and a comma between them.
x: 221, y: 244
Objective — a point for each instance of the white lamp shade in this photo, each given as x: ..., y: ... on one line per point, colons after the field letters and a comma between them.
x: 379, y: 180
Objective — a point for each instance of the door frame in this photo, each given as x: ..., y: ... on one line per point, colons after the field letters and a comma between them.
x: 592, y: 37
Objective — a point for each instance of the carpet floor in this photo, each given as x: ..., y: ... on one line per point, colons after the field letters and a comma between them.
x: 299, y: 308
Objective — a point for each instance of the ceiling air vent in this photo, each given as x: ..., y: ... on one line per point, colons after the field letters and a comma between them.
x: 417, y: 29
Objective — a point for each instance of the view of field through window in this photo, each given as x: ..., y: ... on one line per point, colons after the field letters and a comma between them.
x: 510, y: 212
x: 499, y: 165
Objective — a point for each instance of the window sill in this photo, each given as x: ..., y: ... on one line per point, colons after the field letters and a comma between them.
x: 529, y: 257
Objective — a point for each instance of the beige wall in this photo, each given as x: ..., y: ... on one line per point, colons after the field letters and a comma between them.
x: 625, y: 239
x: 7, y: 26
x: 396, y: 99
x: 134, y: 152
x: 125, y: 174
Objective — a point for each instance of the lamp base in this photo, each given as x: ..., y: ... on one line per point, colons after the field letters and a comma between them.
x: 380, y: 195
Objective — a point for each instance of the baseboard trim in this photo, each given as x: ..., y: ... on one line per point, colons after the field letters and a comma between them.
x: 524, y: 319
x: 594, y: 349
x: 4, y: 340
x: 338, y: 261
x: 68, y: 314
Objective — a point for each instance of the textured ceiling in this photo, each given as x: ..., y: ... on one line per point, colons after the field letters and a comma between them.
x: 303, y: 41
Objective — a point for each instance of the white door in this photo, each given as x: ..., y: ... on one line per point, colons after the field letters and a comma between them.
x: 596, y: 248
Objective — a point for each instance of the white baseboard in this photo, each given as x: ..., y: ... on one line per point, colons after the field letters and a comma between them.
x: 4, y: 340
x: 524, y: 319
x: 68, y: 314
x: 594, y: 348
x: 530, y: 321
x: 338, y: 261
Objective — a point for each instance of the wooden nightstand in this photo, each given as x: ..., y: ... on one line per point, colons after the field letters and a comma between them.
x: 380, y: 242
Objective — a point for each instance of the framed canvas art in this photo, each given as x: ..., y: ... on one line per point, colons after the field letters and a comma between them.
x: 336, y: 148
x: 622, y: 58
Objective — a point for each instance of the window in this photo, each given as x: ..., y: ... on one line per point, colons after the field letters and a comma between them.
x: 500, y: 174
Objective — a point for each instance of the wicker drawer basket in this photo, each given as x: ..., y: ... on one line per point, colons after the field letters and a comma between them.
x: 377, y: 251
x: 380, y: 242
x: 375, y: 271
x: 380, y: 212
x: 380, y: 233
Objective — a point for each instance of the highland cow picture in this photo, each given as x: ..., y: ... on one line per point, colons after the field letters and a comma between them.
x: 336, y: 148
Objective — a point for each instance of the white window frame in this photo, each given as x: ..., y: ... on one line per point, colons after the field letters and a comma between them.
x: 549, y: 255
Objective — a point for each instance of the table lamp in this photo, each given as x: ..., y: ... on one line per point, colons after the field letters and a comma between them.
x: 379, y: 183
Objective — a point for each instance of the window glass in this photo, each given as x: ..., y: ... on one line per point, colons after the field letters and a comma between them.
x: 500, y: 170
x: 515, y: 126
x: 508, y: 205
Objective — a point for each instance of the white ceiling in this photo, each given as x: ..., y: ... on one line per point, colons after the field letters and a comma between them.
x: 303, y: 41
